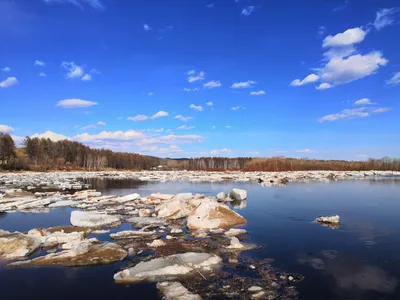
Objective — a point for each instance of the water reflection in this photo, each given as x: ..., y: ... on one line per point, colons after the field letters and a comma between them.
x: 368, y: 232
x: 238, y: 204
x: 103, y: 184
x: 350, y: 275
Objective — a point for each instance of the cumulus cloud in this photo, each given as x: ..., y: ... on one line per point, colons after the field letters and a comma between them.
x: 212, y: 84
x: 10, y: 81
x: 243, y: 84
x: 196, y: 107
x: 39, y: 63
x: 209, y: 103
x: 87, y: 77
x: 73, y: 70
x: 160, y: 114
x: 95, y: 4
x: 191, y: 90
x: 324, y: 86
x: 75, y: 103
x: 146, y: 27
x: 309, y: 79
x: 138, y: 118
x: 257, y: 93
x: 385, y: 17
x: 50, y: 135
x: 184, y: 127
x: 349, y: 37
x: 182, y: 118
x: 6, y: 69
x: 109, y: 135
x: 354, y: 113
x: 394, y: 80
x: 247, y: 11
x: 194, y: 76
x: 6, y: 128
x: 363, y: 101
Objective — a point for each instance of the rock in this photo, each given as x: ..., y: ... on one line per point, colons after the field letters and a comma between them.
x: 329, y: 220
x: 131, y: 234
x: 140, y: 222
x: 176, y: 291
x: 157, y: 243
x: 127, y: 198
x: 17, y: 245
x: 258, y: 295
x: 211, y: 215
x: 93, y: 219
x: 255, y: 288
x: 145, y: 212
x: 235, y: 232
x: 237, y: 245
x: 169, y: 237
x: 83, y: 254
x: 162, y: 196
x: 62, y: 203
x: 176, y: 231
x: 238, y: 194
x: 56, y: 236
x: 176, y: 208
x: 169, y: 268
x: 221, y: 196
x: 291, y: 278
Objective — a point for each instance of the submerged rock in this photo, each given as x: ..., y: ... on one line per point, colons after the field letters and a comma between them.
x: 211, y: 215
x: 17, y: 245
x: 81, y: 254
x: 329, y: 220
x: 176, y: 291
x: 170, y: 267
x: 93, y: 219
x: 238, y: 194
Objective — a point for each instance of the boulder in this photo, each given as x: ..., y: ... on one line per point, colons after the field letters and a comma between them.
x: 81, y: 254
x: 221, y: 196
x: 156, y: 243
x: 93, y: 219
x: 17, y: 245
x: 175, y: 291
x: 212, y: 215
x: 328, y: 220
x: 169, y: 268
x: 238, y: 194
x: 174, y: 209
x: 145, y: 212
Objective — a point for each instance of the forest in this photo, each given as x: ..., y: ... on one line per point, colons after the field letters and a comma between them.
x: 39, y: 154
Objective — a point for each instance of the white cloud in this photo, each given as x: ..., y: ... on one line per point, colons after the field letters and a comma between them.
x: 6, y: 128
x: 243, y: 84
x: 196, y: 107
x: 209, y: 103
x: 349, y: 37
x: 361, y: 112
x: 394, y: 80
x: 73, y: 70
x: 75, y: 103
x: 96, y: 4
x: 363, y: 101
x: 213, y: 127
x: 341, y: 70
x: 228, y: 127
x: 10, y: 81
x: 191, y: 90
x: 87, y: 77
x: 184, y: 127
x: 257, y: 93
x: 182, y: 118
x: 237, y: 108
x: 6, y: 69
x: 212, y: 84
x: 220, y: 151
x: 138, y: 118
x: 159, y: 115
x: 150, y: 93
x: 253, y: 153
x: 309, y: 79
x: 307, y: 150
x: 247, y: 11
x: 146, y: 27
x: 194, y: 76
x: 109, y: 135
x: 51, y: 135
x: 170, y: 150
x: 41, y: 74
x: 384, y: 17
x: 159, y: 130
x: 100, y: 123
x: 211, y: 5
x: 324, y: 86
x: 39, y: 63
x: 321, y: 30
x: 184, y: 139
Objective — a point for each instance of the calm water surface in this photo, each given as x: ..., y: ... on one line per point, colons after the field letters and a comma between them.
x: 360, y: 260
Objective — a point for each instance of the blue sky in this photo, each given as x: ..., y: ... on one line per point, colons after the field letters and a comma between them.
x: 180, y: 78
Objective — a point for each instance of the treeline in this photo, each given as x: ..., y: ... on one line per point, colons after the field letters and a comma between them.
x: 45, y: 154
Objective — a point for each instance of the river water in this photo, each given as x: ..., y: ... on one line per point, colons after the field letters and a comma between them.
x: 359, y: 260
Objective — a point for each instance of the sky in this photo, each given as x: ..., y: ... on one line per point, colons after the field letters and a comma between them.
x: 190, y: 78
